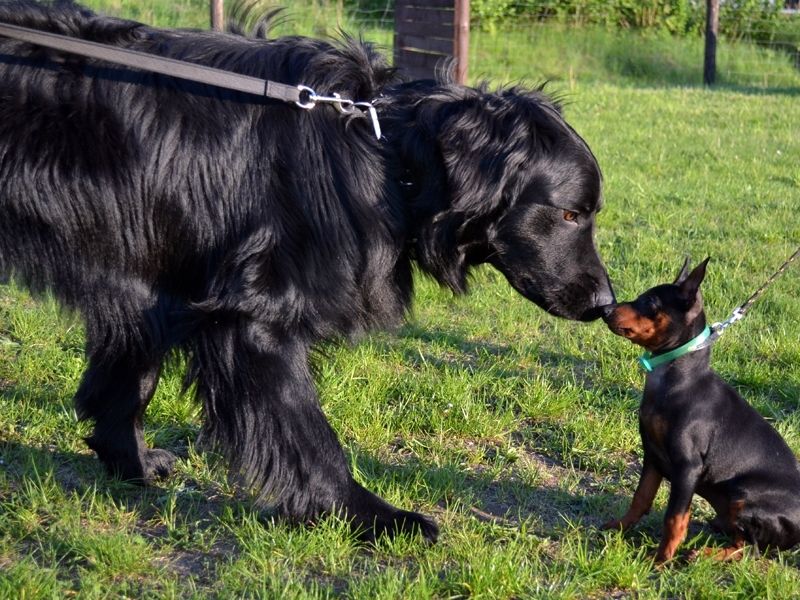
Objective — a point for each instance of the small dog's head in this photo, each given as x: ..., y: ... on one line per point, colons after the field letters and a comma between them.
x: 663, y: 316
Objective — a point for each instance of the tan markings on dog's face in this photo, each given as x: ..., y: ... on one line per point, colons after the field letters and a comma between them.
x: 644, y: 331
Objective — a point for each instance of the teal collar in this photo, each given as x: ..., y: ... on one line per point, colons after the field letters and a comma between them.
x: 650, y: 362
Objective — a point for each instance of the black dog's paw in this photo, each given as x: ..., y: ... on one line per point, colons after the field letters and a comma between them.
x: 399, y: 522
x: 389, y: 521
x: 158, y: 464
x: 411, y: 522
x: 372, y: 517
x: 140, y: 469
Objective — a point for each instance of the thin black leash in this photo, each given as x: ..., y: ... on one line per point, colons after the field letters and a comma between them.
x: 717, y: 329
x: 301, y: 95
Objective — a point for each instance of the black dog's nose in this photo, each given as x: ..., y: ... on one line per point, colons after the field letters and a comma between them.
x: 607, y: 296
x: 605, y: 311
x: 598, y: 312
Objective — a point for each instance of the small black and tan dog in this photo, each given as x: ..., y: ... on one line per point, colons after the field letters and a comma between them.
x: 698, y: 433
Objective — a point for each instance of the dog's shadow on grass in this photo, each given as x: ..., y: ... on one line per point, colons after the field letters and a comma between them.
x: 459, y: 353
x: 505, y: 500
x: 47, y: 472
x: 32, y: 470
x: 540, y: 510
x: 552, y: 493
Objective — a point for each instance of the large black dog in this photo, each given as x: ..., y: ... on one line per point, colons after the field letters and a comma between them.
x: 244, y: 230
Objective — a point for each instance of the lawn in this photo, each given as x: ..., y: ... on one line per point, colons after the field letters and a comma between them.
x: 516, y: 430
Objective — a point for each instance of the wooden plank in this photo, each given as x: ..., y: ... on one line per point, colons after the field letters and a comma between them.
x: 438, y: 30
x: 425, y: 3
x: 418, y: 72
x: 432, y: 15
x: 426, y: 44
x: 424, y: 36
x: 418, y: 59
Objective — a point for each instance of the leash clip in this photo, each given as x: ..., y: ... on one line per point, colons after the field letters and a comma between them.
x: 307, y: 95
x: 736, y: 315
x: 717, y: 329
x: 309, y: 99
x: 368, y: 107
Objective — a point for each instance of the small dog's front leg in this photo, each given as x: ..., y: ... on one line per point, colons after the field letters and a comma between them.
x: 649, y: 481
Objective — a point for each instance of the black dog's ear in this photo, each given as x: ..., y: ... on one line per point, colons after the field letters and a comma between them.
x: 683, y: 274
x: 691, y: 283
x: 461, y: 178
x: 462, y: 154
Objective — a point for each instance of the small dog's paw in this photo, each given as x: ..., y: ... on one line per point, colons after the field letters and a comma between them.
x: 663, y: 558
x: 732, y: 553
x: 613, y: 524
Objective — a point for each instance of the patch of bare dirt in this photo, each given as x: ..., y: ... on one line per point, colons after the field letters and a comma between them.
x: 199, y: 565
x: 538, y: 488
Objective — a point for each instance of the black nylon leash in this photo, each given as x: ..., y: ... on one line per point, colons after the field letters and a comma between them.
x: 717, y: 329
x: 301, y: 95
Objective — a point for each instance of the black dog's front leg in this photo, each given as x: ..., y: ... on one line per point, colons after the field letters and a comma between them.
x: 261, y: 409
x: 115, y: 392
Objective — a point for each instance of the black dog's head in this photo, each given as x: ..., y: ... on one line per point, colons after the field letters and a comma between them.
x: 502, y: 178
x: 665, y: 316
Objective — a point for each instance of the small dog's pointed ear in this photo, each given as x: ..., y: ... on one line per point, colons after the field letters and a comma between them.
x: 683, y: 274
x: 691, y: 283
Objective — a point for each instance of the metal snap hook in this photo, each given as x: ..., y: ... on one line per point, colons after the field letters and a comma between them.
x: 343, y: 105
x: 310, y: 96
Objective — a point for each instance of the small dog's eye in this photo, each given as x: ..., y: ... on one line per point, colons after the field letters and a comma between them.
x: 571, y: 216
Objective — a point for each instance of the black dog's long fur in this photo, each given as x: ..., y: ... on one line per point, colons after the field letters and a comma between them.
x: 245, y: 230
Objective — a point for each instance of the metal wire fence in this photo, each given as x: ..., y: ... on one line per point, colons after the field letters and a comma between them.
x: 758, y: 49
x: 538, y: 40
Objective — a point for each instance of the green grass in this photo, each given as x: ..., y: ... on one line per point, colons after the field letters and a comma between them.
x: 517, y: 431
x: 560, y: 53
x: 180, y: 13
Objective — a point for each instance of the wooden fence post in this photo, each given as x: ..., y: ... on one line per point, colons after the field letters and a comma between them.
x: 427, y: 32
x: 217, y: 18
x: 461, y: 40
x: 712, y: 32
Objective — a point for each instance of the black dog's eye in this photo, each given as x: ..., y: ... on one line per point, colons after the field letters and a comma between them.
x: 571, y: 216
